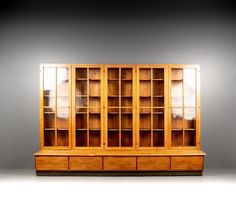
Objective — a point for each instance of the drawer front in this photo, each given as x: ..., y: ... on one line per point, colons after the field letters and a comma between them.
x: 51, y: 163
x: 86, y: 163
x: 119, y: 163
x: 153, y: 163
x: 187, y: 163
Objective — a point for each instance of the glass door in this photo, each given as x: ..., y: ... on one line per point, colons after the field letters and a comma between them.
x: 151, y: 107
x: 88, y: 124
x: 56, y: 106
x: 120, y: 106
x: 183, y: 107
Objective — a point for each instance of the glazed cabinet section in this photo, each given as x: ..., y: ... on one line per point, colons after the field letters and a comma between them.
x: 119, y: 163
x: 55, y: 107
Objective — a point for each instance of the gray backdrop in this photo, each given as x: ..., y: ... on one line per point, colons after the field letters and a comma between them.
x: 132, y: 33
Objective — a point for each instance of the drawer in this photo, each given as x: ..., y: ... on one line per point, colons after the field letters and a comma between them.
x: 119, y: 163
x: 86, y: 163
x: 153, y: 163
x: 52, y: 163
x: 187, y: 163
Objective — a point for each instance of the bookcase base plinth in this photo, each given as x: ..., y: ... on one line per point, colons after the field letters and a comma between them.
x: 137, y: 163
x: 116, y: 173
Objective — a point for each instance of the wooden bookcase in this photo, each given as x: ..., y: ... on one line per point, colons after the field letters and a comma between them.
x: 120, y: 119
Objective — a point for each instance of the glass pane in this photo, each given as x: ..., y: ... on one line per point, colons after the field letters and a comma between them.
x: 94, y: 73
x: 189, y: 138
x: 126, y: 101
x: 49, y: 138
x: 62, y: 81
x: 126, y: 139
x: 94, y: 121
x: 113, y: 88
x: 94, y: 102
x: 62, y: 118
x: 158, y: 102
x: 177, y: 138
x: 113, y: 74
x: 145, y: 88
x: 145, y: 101
x: 158, y: 73
x: 113, y: 121
x: 94, y: 138
x: 189, y: 118
x: 113, y: 101
x: 94, y: 88
x: 145, y: 74
x: 126, y: 74
x: 62, y: 138
x: 145, y: 121
x: 126, y: 121
x: 158, y: 88
x: 177, y: 74
x: 81, y: 73
x: 177, y: 93
x: 81, y: 102
x: 145, y: 139
x: 126, y: 88
x: 177, y: 118
x: 49, y: 81
x: 49, y: 120
x: 158, y: 138
x: 113, y: 138
x: 49, y: 101
x: 81, y: 87
x: 189, y: 87
x: 81, y: 121
x: 158, y: 120
x: 81, y: 138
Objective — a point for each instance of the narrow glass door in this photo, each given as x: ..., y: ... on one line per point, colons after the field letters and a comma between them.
x: 56, y: 106
x: 88, y: 107
x: 183, y: 107
x: 151, y: 107
x: 120, y: 107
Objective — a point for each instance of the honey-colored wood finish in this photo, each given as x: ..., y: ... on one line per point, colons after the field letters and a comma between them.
x: 153, y: 163
x: 86, y: 163
x: 119, y: 117
x: 51, y: 163
x: 194, y: 163
x: 119, y: 163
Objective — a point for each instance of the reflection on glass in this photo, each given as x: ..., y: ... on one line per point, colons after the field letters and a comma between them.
x: 62, y: 118
x: 177, y: 118
x: 176, y: 93
x: 189, y: 118
x: 49, y: 86
x: 189, y: 87
x: 81, y: 87
x: 49, y: 80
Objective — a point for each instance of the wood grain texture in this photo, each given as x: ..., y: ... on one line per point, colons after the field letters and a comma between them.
x: 119, y: 163
x: 85, y: 163
x: 153, y: 163
x: 51, y: 163
x: 193, y: 163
